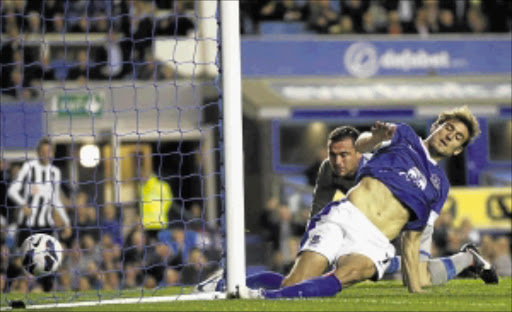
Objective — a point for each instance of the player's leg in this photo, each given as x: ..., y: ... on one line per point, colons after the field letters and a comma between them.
x: 263, y: 280
x: 441, y: 270
x: 307, y: 265
x: 355, y: 268
x: 351, y: 269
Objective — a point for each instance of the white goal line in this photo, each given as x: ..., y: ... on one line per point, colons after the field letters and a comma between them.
x: 187, y: 297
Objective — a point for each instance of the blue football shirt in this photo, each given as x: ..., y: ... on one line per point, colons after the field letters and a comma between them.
x: 404, y: 165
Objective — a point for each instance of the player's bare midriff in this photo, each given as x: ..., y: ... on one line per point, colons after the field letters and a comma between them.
x: 379, y: 205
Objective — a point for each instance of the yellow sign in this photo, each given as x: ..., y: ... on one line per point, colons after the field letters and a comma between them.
x: 485, y: 207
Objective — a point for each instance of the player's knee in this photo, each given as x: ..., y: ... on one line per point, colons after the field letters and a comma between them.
x: 355, y: 269
x: 354, y: 274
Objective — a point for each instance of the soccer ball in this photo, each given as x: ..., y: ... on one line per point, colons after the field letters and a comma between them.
x: 42, y: 254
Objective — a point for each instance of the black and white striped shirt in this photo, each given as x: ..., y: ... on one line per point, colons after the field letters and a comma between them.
x: 38, y: 188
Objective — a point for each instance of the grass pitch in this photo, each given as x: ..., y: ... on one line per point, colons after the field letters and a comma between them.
x: 457, y: 295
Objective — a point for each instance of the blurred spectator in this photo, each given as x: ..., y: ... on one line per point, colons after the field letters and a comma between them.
x: 468, y: 233
x: 59, y: 65
x: 502, y: 258
x: 18, y: 10
x: 476, y: 21
x: 431, y: 8
x: 110, y: 281
x: 197, y: 268
x: 110, y: 254
x: 52, y: 12
x: 37, y: 72
x: 4, y: 259
x: 4, y: 212
x: 159, y: 259
x: 141, y: 29
x: 82, y: 25
x: 269, y: 221
x: 90, y: 253
x: 178, y: 23
x: 57, y: 24
x: 135, y: 248
x: 111, y: 225
x: 321, y: 16
x: 369, y: 25
x: 406, y: 12
x: 65, y: 281
x: 250, y: 16
x: 171, y: 277
x: 441, y: 229
x: 149, y: 70
x: 355, y: 9
x: 446, y: 22
x: 84, y: 68
x: 3, y: 283
x: 15, y: 85
x: 134, y: 255
x: 281, y: 10
x: 100, y: 24
x: 155, y: 199
x: 394, y: 26
x: 345, y: 26
x: 34, y: 24
x: 85, y: 218
x: 421, y: 23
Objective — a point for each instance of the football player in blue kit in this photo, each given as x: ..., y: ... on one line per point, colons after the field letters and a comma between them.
x: 399, y: 189
x: 342, y: 140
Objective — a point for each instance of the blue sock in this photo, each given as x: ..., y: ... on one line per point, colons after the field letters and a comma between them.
x: 323, y: 286
x: 265, y: 280
x: 394, y: 266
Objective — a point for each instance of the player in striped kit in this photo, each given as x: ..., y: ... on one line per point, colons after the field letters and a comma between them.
x: 36, y: 191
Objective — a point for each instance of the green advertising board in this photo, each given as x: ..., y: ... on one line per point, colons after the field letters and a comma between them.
x: 78, y: 104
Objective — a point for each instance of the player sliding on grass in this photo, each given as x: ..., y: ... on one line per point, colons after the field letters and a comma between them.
x: 398, y: 189
x: 338, y: 173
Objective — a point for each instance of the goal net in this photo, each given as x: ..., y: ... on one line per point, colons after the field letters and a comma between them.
x: 131, y: 96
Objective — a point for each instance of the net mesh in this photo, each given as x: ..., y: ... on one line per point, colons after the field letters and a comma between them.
x: 127, y: 91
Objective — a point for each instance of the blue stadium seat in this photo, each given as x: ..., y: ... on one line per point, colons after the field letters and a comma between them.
x: 274, y: 28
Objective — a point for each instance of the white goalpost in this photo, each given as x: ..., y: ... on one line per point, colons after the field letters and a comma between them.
x: 156, y: 112
x: 232, y: 107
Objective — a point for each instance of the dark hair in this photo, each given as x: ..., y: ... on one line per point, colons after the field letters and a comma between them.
x: 343, y: 132
x: 43, y: 141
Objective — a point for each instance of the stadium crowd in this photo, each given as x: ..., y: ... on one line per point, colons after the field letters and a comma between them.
x: 128, y: 29
x: 392, y: 17
x: 126, y: 41
x: 110, y: 248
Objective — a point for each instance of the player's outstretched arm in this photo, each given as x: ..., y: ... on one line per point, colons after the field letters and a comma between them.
x: 411, y: 260
x: 380, y: 132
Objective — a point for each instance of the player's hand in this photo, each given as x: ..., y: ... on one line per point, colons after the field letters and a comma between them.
x: 383, y: 130
x: 66, y: 233
x: 27, y: 211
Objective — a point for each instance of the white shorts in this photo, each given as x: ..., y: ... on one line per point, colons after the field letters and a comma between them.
x: 342, y: 229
